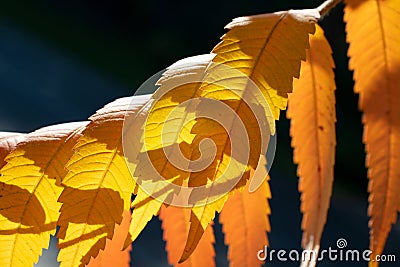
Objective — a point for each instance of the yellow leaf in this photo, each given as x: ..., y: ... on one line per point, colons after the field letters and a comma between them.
x: 29, y: 191
x: 144, y: 208
x: 166, y: 113
x: 98, y: 185
x: 374, y: 37
x: 8, y: 142
x: 268, y: 48
x: 169, y: 125
x: 244, y: 220
x: 175, y: 223
x: 220, y: 174
x: 312, y: 112
x: 112, y: 254
x: 200, y: 218
x: 165, y: 126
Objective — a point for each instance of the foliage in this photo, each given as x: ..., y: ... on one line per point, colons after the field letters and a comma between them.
x: 81, y: 176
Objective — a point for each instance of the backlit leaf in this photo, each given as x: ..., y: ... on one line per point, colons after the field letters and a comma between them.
x: 268, y: 48
x: 374, y: 36
x: 175, y: 223
x: 312, y: 112
x: 98, y: 186
x: 220, y: 173
x: 177, y: 85
x: 29, y: 191
x: 113, y: 255
x: 245, y: 223
x: 8, y: 142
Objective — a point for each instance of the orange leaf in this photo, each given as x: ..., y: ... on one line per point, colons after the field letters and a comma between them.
x: 245, y: 223
x: 113, y: 255
x: 312, y: 112
x: 374, y: 36
x: 175, y: 222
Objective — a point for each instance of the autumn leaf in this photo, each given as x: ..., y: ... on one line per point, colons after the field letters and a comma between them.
x: 268, y: 48
x: 8, y: 142
x: 29, y: 191
x: 200, y: 142
x: 98, y: 185
x: 312, y: 112
x: 374, y: 36
x: 220, y: 174
x: 199, y: 226
x: 190, y: 78
x: 147, y: 149
x: 113, y: 255
x: 175, y: 223
x: 178, y: 84
x: 245, y: 223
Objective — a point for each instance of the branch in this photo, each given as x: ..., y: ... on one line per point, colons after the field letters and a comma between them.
x: 326, y: 6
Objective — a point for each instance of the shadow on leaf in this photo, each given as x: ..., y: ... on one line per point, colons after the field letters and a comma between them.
x: 16, y: 203
x: 103, y: 207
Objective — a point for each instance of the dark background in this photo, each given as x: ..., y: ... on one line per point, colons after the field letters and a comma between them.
x: 62, y: 60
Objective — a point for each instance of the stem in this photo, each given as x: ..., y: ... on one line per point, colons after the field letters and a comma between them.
x: 326, y: 6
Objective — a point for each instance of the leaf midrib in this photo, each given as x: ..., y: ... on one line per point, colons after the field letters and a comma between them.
x: 263, y: 48
x: 35, y: 188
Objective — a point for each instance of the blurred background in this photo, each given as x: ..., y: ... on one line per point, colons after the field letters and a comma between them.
x: 62, y: 60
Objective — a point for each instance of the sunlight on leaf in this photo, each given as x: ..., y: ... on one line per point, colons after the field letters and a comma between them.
x: 98, y: 186
x: 374, y: 36
x: 313, y: 115
x: 113, y: 255
x: 268, y: 48
x: 245, y: 223
x: 175, y: 223
x: 29, y: 191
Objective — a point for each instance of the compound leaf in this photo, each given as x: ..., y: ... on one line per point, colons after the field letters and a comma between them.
x: 267, y: 49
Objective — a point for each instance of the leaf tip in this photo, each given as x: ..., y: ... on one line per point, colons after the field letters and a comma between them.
x: 184, y: 257
x: 128, y: 241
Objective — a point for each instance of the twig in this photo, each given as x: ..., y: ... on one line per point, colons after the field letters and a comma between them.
x: 326, y: 6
